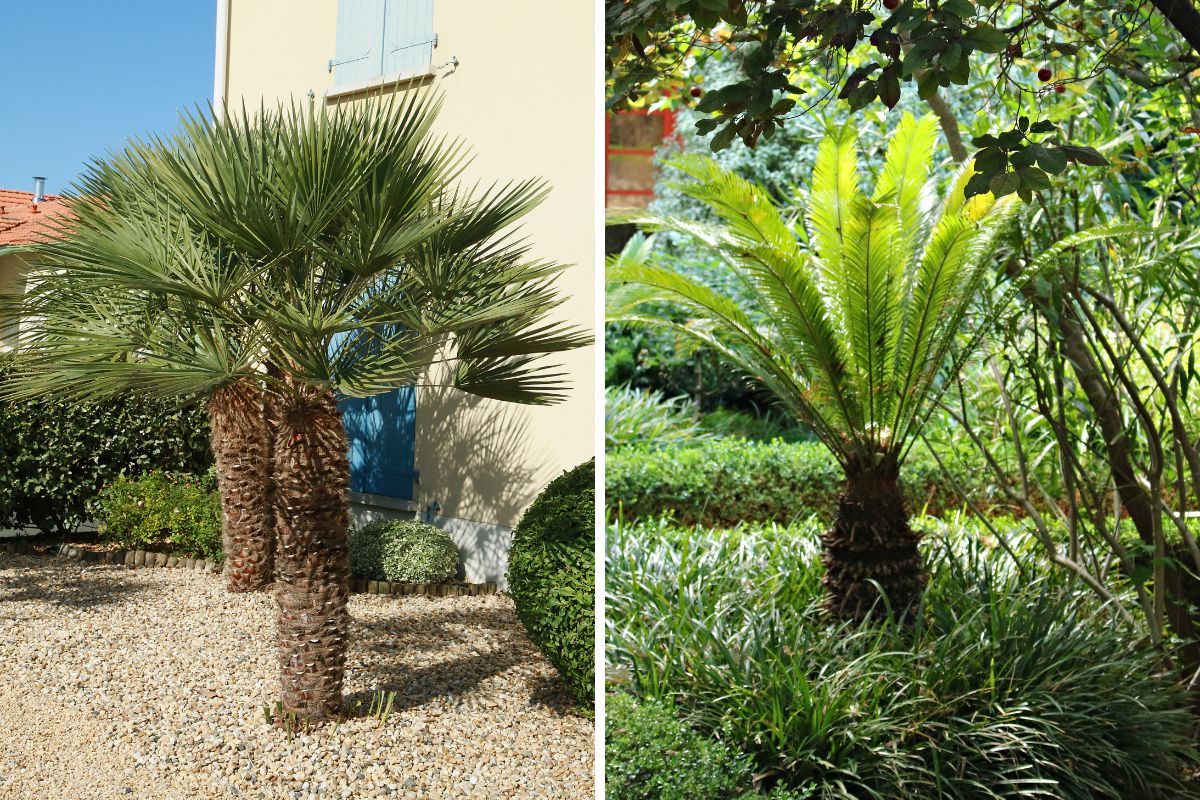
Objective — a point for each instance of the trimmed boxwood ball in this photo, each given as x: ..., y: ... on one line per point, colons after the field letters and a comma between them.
x: 416, y: 552
x: 552, y: 576
x: 404, y: 551
x: 366, y: 551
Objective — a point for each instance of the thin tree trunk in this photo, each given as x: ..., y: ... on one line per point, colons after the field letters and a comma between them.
x: 241, y: 445
x: 312, y: 556
x: 871, y: 543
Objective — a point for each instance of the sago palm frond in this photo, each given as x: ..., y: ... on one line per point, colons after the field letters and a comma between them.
x: 849, y: 322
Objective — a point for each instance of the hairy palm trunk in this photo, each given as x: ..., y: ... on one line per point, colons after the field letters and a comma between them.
x: 312, y: 556
x: 872, y: 543
x: 241, y: 444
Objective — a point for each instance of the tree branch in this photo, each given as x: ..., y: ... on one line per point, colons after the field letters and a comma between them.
x: 949, y: 125
x: 1184, y: 16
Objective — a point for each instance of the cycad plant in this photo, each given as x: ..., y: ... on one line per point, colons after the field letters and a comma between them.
x: 322, y: 253
x: 848, y: 319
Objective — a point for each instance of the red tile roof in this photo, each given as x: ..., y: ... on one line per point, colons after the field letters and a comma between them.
x: 21, y: 224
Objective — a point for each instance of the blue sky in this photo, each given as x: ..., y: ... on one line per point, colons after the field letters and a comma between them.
x: 82, y: 76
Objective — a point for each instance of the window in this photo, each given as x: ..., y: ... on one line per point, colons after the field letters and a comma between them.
x: 377, y: 38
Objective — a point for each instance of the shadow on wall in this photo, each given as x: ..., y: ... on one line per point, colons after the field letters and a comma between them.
x: 476, y: 464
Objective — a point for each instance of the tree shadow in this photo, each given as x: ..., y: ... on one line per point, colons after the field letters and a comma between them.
x: 79, y: 591
x: 435, y: 629
x: 396, y: 669
x: 476, y: 464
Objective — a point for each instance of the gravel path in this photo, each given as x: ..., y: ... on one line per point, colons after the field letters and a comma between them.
x: 118, y: 683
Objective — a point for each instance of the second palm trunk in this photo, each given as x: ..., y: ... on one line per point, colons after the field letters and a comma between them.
x: 312, y: 562
x: 871, y: 547
x: 242, y: 446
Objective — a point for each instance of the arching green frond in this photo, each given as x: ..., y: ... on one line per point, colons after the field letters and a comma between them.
x: 904, y: 180
x: 848, y: 327
x: 831, y: 197
x: 333, y: 244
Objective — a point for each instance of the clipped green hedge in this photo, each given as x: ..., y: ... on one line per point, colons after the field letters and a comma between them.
x: 727, y: 481
x: 406, y: 551
x: 650, y: 754
x: 552, y: 576
x: 176, y: 512
x: 55, y: 456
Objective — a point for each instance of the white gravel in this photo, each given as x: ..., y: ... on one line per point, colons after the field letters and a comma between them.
x: 119, y: 683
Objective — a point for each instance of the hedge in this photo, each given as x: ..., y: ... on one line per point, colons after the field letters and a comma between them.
x: 552, y: 576
x: 726, y: 481
x: 57, y: 455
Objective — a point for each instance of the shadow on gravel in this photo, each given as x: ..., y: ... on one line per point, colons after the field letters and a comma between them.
x: 393, y: 663
x: 548, y: 691
x: 431, y: 628
x: 60, y: 587
x: 416, y: 686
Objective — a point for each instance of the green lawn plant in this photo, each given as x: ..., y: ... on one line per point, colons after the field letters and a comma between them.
x: 173, y: 512
x: 417, y: 552
x: 407, y: 551
x: 1011, y: 682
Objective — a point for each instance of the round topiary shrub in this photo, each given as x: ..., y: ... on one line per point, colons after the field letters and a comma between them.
x: 404, y: 551
x: 366, y: 551
x: 552, y: 576
x: 416, y: 552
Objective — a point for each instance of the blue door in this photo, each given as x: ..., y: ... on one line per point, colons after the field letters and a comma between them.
x: 382, y: 433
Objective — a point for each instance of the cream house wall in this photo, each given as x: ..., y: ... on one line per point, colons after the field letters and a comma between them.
x: 522, y: 97
x: 12, y: 282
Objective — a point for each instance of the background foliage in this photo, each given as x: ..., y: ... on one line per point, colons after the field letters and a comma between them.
x: 57, y: 455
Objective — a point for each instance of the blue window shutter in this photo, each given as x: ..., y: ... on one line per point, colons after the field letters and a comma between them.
x: 382, y: 432
x: 360, y: 41
x: 409, y: 30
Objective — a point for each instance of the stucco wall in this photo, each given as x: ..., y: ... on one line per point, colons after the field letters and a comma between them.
x: 12, y: 281
x: 522, y: 96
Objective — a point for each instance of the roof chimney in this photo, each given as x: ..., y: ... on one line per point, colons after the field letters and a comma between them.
x: 39, y: 189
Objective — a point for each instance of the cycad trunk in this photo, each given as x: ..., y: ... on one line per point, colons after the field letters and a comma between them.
x: 872, y: 543
x: 312, y: 563
x: 241, y: 444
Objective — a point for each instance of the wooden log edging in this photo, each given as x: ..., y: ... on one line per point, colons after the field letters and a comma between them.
x: 136, y: 558
x: 141, y: 559
x: 427, y: 589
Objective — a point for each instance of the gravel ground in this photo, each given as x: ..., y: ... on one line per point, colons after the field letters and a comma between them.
x: 118, y: 683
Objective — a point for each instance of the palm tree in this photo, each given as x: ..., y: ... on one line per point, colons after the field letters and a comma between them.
x: 359, y: 269
x: 117, y: 314
x: 847, y: 321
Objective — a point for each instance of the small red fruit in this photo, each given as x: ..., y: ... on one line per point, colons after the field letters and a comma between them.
x: 1059, y: 88
x: 891, y: 5
x: 695, y: 91
x: 1044, y: 74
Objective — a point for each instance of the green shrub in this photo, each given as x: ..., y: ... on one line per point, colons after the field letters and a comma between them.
x: 1013, y: 677
x: 651, y: 755
x: 56, y: 455
x: 727, y: 481
x: 366, y: 551
x: 406, y: 551
x: 552, y: 576
x: 161, y: 510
